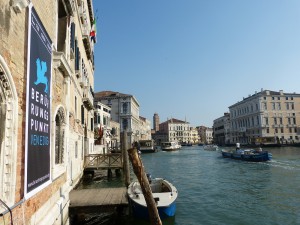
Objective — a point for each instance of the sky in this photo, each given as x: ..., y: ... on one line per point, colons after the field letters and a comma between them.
x: 192, y: 59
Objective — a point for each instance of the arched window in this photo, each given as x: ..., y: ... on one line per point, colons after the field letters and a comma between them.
x: 8, y: 134
x: 59, y: 136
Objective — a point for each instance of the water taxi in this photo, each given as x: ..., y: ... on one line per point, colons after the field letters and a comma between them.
x: 147, y: 146
x: 170, y: 146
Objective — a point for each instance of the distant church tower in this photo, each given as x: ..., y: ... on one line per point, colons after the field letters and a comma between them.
x: 156, y: 122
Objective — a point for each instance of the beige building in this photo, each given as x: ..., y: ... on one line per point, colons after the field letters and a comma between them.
x: 266, y: 117
x: 194, y: 136
x: 202, y: 134
x: 221, y: 128
x: 125, y: 110
x: 46, y: 106
x: 176, y: 130
x: 145, y: 129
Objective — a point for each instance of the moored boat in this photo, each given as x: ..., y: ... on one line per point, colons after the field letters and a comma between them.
x: 170, y: 146
x: 251, y: 155
x: 164, y: 194
x: 147, y: 146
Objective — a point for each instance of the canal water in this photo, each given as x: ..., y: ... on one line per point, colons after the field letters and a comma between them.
x: 216, y: 191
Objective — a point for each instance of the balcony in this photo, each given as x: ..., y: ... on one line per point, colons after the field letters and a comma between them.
x: 83, y: 82
x: 291, y: 125
x: 70, y: 6
x: 60, y: 62
x: 91, y: 11
x: 88, y: 44
x: 88, y: 98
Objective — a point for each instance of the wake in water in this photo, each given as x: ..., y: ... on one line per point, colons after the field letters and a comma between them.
x: 288, y: 165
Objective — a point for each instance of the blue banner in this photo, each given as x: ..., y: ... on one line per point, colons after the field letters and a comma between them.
x: 38, y: 106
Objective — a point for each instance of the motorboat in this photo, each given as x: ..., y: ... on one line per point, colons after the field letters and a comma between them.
x: 247, y: 155
x: 147, y: 146
x: 170, y: 146
x: 164, y: 194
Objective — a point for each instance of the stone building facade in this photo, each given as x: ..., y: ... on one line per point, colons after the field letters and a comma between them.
x: 66, y: 24
x: 125, y: 110
x: 221, y: 130
x: 176, y: 130
x: 145, y: 129
x: 266, y: 117
x: 107, y: 132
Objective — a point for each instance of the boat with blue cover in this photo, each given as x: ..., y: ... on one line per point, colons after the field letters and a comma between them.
x: 251, y: 155
x: 164, y: 194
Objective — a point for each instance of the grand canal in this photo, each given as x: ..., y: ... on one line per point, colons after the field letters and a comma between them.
x: 218, y: 191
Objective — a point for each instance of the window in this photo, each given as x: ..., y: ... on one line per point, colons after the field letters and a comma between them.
x: 273, y: 106
x: 59, y: 137
x: 75, y: 107
x: 281, y: 130
x: 62, y: 23
x: 82, y: 114
x: 125, y: 107
x: 275, y: 120
x: 76, y: 149
x: 265, y: 106
x: 72, y: 42
x: 278, y: 106
x: 125, y: 124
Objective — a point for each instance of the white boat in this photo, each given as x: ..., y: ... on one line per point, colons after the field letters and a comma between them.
x: 210, y: 147
x: 147, y: 146
x: 170, y: 146
x: 164, y: 194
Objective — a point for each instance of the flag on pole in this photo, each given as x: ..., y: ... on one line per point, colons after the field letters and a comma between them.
x: 93, y: 31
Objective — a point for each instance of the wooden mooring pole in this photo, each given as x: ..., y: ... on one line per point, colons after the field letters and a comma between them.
x: 138, y: 169
x: 125, y: 159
